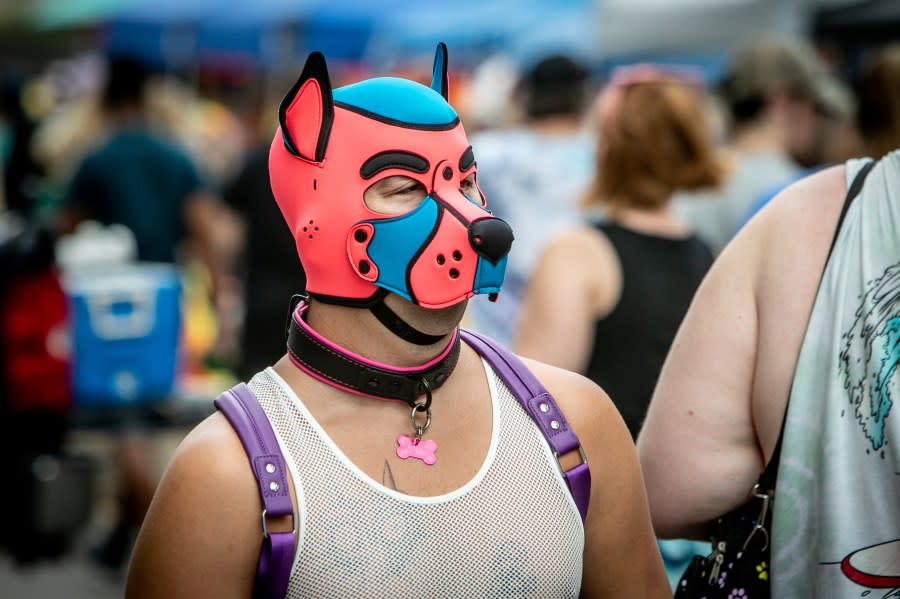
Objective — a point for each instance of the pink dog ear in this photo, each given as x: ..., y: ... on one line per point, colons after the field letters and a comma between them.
x: 307, y: 111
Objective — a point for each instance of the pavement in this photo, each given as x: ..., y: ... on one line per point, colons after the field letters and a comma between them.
x: 74, y: 577
x: 79, y: 575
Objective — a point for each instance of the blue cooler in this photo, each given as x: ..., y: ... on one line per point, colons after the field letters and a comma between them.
x: 125, y: 332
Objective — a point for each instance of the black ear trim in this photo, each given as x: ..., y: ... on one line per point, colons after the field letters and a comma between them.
x: 440, y: 82
x: 315, y: 68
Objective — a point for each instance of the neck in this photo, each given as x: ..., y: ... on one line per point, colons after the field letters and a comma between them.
x: 764, y: 137
x: 127, y: 116
x: 358, y: 331
x: 556, y: 125
x: 657, y: 221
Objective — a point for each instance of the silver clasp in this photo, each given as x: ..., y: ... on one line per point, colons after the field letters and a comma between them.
x: 559, y: 465
x: 265, y: 527
x: 422, y: 406
x: 766, y: 497
x: 715, y: 561
x: 413, y: 416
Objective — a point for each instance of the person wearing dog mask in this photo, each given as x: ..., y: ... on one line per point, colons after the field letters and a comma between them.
x: 412, y: 467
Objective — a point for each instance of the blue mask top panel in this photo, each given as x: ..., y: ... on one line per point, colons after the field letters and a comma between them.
x: 401, y: 100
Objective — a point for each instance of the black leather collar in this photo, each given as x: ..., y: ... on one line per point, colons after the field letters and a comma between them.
x: 335, y: 367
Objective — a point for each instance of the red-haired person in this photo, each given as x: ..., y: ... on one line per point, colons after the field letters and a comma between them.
x: 607, y: 297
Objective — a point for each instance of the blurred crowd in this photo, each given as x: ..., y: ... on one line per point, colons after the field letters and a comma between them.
x: 621, y: 186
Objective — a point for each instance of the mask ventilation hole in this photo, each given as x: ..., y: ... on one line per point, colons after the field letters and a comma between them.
x: 454, y: 274
x: 440, y: 259
x: 311, y: 229
x: 457, y: 255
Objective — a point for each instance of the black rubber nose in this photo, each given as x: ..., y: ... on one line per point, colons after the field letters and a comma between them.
x: 491, y: 238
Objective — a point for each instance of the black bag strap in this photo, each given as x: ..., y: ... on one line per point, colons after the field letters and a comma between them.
x: 769, y: 475
x: 852, y: 192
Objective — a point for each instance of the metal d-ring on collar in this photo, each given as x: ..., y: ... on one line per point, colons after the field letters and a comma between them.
x: 422, y: 406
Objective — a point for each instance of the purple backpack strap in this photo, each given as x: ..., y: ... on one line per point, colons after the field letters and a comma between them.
x: 542, y: 408
x: 249, y: 421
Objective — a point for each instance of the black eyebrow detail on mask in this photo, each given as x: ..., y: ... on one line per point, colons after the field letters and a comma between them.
x: 467, y: 160
x: 393, y: 159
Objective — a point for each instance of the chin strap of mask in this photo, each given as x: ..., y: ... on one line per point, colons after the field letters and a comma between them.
x: 400, y: 327
x: 385, y: 316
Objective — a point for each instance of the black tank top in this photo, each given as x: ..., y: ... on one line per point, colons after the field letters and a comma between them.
x: 659, y: 278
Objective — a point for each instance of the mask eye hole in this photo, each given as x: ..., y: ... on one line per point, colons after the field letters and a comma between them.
x: 394, y: 195
x: 469, y: 188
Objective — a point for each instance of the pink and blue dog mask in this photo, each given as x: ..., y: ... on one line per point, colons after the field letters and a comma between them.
x: 333, y: 145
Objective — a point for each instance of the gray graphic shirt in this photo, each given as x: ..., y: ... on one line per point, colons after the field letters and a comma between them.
x: 837, y: 507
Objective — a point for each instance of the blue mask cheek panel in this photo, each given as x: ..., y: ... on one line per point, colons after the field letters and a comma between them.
x: 396, y: 241
x: 489, y: 277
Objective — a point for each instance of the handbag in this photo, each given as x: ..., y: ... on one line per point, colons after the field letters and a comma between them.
x: 738, y: 567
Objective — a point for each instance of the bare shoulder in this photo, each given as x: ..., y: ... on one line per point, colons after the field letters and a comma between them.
x: 212, y: 454
x: 213, y: 433
x: 797, y: 228
x: 574, y: 282
x: 201, y: 535
x: 572, y: 262
x: 621, y: 558
x: 808, y: 207
x: 597, y: 423
x: 582, y: 401
x: 579, y: 242
x: 814, y: 189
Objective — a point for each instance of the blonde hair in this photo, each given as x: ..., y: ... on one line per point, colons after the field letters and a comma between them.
x: 657, y: 138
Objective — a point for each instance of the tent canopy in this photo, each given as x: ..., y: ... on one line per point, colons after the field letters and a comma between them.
x: 388, y: 32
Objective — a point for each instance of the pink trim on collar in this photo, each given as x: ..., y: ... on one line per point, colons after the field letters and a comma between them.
x: 298, y: 319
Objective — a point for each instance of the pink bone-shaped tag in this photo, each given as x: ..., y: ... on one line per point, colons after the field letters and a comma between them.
x: 410, y: 447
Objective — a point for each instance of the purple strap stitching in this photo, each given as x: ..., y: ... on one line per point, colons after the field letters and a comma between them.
x: 234, y: 392
x: 523, y: 383
x: 247, y: 418
x: 276, y: 503
x: 527, y: 389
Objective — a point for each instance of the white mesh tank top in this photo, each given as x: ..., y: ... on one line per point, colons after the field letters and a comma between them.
x: 512, y: 531
x: 836, y: 529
